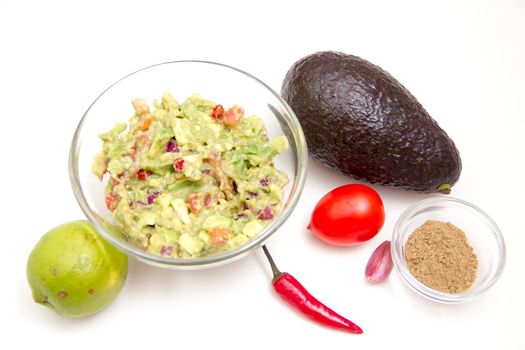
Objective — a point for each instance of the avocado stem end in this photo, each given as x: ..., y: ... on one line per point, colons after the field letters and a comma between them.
x: 444, y: 188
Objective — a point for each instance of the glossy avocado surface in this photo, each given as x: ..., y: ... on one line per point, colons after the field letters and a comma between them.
x: 360, y: 120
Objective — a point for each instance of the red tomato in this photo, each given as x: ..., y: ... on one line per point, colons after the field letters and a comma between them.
x: 348, y: 215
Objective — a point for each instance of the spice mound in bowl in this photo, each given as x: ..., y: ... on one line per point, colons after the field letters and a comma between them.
x: 439, y: 255
x: 447, y: 249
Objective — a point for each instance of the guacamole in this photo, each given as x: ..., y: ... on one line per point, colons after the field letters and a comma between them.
x: 190, y: 179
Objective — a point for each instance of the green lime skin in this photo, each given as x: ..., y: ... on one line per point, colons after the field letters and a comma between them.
x: 73, y: 271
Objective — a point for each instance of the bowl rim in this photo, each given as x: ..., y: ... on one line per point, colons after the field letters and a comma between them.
x: 300, y: 153
x: 422, y: 289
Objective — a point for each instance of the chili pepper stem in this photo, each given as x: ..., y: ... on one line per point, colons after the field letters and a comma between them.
x: 276, y: 273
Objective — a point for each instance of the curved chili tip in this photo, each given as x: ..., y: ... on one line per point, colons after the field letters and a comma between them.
x: 294, y: 293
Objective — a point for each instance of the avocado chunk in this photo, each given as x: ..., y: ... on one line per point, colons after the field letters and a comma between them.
x: 360, y: 120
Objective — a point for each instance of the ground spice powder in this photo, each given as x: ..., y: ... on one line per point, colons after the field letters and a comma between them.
x: 439, y: 255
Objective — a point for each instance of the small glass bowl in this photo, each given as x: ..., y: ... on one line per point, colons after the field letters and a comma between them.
x: 482, y: 233
x: 213, y: 81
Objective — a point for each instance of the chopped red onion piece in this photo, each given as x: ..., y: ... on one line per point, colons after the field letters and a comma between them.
x: 166, y: 250
x: 152, y: 197
x: 266, y: 214
x: 172, y: 146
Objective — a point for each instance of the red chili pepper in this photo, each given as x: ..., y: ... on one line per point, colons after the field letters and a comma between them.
x: 178, y: 164
x: 143, y: 174
x: 218, y: 112
x: 296, y: 295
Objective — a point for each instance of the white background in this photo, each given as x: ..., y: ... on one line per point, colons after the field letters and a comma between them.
x: 464, y: 61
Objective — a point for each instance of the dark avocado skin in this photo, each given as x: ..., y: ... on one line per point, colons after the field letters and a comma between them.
x: 360, y: 120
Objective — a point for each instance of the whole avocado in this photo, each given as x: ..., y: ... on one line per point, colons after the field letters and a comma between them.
x: 360, y: 120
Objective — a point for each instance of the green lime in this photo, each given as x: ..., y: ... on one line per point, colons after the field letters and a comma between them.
x: 74, y: 271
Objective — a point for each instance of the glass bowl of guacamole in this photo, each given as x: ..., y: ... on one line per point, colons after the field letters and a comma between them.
x: 188, y: 164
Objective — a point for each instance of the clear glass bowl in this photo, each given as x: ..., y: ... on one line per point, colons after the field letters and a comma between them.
x: 214, y: 81
x: 482, y: 233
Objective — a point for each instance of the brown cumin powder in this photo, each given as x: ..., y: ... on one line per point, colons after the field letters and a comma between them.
x: 439, y: 255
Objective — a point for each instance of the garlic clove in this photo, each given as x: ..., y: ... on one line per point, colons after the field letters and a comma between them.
x: 380, y: 264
